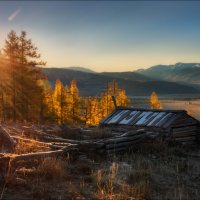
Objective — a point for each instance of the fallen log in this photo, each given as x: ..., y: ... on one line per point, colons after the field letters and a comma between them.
x: 184, y: 129
x: 78, y: 142
x: 124, y: 144
x: 42, y: 134
x: 53, y: 146
x: 7, y: 140
x: 58, y: 139
x: 82, y: 145
x: 16, y: 158
x: 133, y: 132
x: 124, y: 139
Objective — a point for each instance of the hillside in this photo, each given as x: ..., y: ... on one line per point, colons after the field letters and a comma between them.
x: 94, y: 83
x: 188, y: 73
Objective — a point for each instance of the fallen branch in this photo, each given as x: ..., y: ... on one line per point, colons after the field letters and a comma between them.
x: 53, y: 146
x: 16, y: 158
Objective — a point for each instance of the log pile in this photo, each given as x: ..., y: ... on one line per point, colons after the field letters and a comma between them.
x: 126, y: 140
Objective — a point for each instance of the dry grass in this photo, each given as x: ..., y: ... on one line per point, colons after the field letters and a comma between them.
x: 36, y: 182
x: 115, y: 182
x: 24, y: 147
x: 52, y: 168
x: 157, y: 171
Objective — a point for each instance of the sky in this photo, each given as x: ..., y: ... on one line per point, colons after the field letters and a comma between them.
x: 107, y: 36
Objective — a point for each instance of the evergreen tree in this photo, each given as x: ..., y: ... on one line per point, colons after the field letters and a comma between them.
x: 11, y: 50
x: 24, y: 89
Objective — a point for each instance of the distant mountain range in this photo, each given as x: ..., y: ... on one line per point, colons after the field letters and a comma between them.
x: 187, y: 73
x: 177, y: 79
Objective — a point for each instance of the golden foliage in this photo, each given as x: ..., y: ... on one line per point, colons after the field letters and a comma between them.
x: 154, y: 102
x: 65, y: 106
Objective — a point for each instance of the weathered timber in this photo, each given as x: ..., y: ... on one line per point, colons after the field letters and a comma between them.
x: 184, y: 128
x: 185, y: 139
x: 121, y: 129
x: 7, y: 140
x: 78, y: 142
x: 124, y: 144
x: 123, y: 139
x: 184, y: 134
x: 58, y: 139
x: 63, y: 144
x: 42, y: 134
x: 133, y: 132
x: 53, y: 146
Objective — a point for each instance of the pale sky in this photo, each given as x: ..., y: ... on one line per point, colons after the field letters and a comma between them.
x: 107, y: 36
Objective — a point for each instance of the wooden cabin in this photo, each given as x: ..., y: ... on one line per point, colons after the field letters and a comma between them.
x: 174, y: 125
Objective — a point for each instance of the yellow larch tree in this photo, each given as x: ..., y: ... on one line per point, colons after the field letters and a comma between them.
x: 107, y: 104
x: 154, y: 101
x: 74, y: 102
x: 92, y: 112
x: 103, y: 105
x: 59, y: 101
x: 67, y: 105
x: 49, y: 113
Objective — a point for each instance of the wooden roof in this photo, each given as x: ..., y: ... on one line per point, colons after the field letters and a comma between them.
x: 143, y: 117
